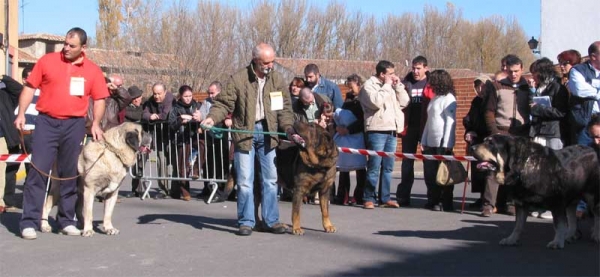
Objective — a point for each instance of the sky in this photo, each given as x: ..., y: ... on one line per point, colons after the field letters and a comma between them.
x: 57, y: 17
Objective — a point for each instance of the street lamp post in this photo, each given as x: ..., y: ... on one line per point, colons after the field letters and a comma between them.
x: 533, y: 45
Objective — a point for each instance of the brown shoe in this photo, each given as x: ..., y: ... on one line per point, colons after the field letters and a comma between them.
x: 185, y: 195
x: 391, y: 204
x: 369, y: 205
x: 488, y: 210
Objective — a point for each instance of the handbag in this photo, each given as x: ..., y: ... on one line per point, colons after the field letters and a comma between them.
x: 450, y: 173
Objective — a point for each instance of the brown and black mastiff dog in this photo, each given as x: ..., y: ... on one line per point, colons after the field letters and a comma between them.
x: 314, y: 171
x: 540, y: 176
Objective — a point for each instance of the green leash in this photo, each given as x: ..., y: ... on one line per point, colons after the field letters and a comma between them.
x: 218, y: 132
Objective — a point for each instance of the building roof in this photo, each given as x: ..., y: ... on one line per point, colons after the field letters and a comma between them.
x: 41, y: 36
x: 26, y: 58
x: 129, y: 59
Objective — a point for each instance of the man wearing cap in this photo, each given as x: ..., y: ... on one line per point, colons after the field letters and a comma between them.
x: 133, y: 113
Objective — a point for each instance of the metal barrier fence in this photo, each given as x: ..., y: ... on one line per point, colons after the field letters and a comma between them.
x: 183, y: 154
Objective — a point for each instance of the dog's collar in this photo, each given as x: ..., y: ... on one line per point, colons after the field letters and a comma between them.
x: 109, y: 147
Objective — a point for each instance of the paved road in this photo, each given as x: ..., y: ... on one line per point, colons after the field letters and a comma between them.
x: 177, y: 238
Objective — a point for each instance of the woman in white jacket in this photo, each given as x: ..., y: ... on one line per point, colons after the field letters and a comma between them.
x: 439, y: 137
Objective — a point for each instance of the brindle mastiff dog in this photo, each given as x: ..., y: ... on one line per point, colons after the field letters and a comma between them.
x: 314, y: 171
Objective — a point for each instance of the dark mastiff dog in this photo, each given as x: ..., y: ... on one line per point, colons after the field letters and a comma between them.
x: 555, y: 179
x: 313, y: 170
x: 305, y: 169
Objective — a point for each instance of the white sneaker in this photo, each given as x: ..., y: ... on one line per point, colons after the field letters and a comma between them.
x: 546, y: 215
x: 534, y: 214
x: 29, y: 233
x: 70, y: 231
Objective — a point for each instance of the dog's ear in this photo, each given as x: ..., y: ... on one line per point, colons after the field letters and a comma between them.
x: 309, y: 157
x: 132, y: 138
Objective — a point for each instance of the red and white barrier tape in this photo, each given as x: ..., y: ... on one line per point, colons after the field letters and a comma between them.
x: 406, y: 156
x: 15, y: 158
x: 22, y: 158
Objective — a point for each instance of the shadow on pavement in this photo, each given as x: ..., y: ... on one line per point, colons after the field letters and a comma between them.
x: 196, y: 221
x: 475, y: 252
x: 10, y: 220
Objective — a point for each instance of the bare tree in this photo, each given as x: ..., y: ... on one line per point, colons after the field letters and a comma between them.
x: 108, y: 26
x: 183, y: 43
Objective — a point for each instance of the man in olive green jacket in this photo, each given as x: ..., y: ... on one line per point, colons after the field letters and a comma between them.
x: 257, y: 100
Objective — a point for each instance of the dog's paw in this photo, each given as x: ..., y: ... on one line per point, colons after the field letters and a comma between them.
x: 556, y: 244
x: 573, y: 238
x: 596, y: 236
x: 330, y: 229
x: 46, y: 228
x: 509, y: 242
x: 298, y: 231
x: 112, y: 231
x: 88, y: 233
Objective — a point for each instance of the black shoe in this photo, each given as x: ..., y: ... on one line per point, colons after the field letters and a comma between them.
x: 433, y: 207
x: 132, y: 194
x: 404, y: 203
x: 217, y: 199
x: 477, y: 204
x: 244, y: 231
x: 278, y: 228
x: 160, y: 195
x: 448, y: 208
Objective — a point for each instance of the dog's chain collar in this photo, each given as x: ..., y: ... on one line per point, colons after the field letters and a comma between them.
x: 109, y: 147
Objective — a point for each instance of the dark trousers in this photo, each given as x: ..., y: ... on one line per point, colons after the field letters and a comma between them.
x: 478, y: 177
x: 344, y: 186
x: 27, y: 139
x: 11, y: 178
x: 54, y: 140
x: 436, y: 193
x: 409, y: 145
x: 138, y: 170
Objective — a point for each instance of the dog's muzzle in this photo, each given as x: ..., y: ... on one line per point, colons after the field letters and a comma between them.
x: 486, y: 166
x: 144, y: 149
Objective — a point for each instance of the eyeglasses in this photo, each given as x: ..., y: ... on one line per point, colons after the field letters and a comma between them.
x: 564, y: 63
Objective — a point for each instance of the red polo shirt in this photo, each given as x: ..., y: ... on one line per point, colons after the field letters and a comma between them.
x: 52, y: 75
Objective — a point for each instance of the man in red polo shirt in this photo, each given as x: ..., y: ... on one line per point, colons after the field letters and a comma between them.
x: 67, y: 80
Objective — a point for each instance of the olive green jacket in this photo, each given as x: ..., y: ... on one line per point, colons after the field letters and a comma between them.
x: 239, y: 99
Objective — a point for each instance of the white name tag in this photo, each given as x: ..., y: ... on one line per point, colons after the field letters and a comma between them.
x: 276, y: 100
x: 77, y: 86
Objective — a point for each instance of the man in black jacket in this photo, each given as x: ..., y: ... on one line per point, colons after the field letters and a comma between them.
x: 10, y: 90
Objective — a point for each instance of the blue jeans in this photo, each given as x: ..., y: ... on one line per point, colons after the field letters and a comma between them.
x: 386, y: 143
x: 244, y: 166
